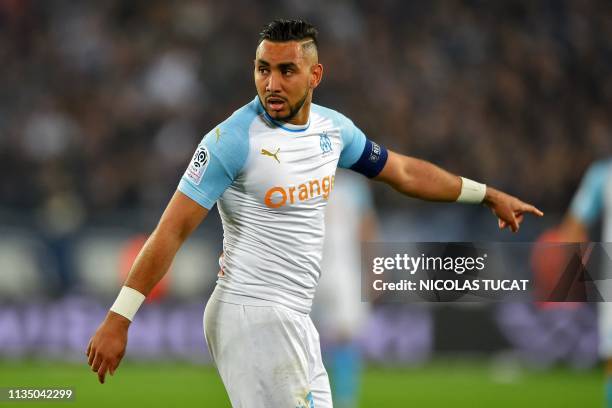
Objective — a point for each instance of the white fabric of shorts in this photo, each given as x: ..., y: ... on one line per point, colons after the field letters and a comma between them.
x: 267, y: 355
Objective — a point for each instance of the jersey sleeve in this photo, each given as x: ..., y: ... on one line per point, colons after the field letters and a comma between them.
x: 587, y: 203
x: 216, y: 163
x: 354, y: 142
x: 361, y: 154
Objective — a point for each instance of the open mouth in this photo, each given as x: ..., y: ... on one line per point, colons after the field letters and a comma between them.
x: 275, y: 103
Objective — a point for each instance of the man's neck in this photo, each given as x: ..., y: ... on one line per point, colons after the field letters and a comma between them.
x: 302, y: 116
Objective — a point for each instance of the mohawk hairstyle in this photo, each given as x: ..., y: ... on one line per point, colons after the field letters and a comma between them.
x: 281, y: 30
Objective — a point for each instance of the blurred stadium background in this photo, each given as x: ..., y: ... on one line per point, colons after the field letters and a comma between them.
x: 102, y: 104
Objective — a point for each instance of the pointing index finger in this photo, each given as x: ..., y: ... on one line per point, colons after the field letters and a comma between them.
x: 531, y: 209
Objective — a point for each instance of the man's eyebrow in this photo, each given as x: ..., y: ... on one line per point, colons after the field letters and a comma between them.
x: 287, y: 65
x: 281, y: 65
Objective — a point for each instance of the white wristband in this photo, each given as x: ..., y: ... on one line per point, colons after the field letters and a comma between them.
x: 471, y: 191
x: 128, y: 302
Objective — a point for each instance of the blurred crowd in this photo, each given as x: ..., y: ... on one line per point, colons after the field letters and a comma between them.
x: 103, y: 103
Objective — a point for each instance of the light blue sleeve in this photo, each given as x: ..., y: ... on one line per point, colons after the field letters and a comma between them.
x: 353, y: 139
x: 588, y: 200
x: 218, y: 160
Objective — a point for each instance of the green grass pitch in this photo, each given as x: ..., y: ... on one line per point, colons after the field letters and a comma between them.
x: 452, y: 384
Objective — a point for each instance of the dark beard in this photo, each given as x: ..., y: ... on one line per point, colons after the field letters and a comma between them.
x: 293, y: 110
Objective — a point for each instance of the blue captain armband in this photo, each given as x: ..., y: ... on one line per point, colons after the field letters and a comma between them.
x: 372, y: 160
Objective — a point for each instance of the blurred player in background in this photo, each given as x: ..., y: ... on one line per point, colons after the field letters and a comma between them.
x: 338, y: 310
x: 270, y: 167
x: 592, y: 201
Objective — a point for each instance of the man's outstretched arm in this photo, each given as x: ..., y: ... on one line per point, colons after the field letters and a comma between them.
x: 182, y: 215
x: 421, y: 179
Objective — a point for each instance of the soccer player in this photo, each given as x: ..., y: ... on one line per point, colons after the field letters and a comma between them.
x: 270, y: 168
x: 591, y: 199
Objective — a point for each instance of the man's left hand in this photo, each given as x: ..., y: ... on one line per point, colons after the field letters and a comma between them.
x: 509, y: 210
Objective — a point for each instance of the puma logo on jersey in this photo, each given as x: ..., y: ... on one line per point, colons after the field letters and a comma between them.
x: 218, y: 133
x: 268, y: 153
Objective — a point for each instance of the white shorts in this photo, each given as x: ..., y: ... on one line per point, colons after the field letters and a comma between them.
x: 268, y: 356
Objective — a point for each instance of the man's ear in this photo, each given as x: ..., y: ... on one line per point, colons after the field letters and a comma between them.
x: 316, y: 75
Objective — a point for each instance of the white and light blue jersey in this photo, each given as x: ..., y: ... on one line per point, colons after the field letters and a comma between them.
x: 271, y: 181
x: 594, y: 197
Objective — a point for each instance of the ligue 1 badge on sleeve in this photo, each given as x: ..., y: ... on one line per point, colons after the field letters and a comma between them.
x: 198, y: 165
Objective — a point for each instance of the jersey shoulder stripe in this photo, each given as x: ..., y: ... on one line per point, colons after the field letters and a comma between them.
x: 220, y: 157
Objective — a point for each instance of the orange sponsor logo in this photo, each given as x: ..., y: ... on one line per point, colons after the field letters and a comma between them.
x: 279, y: 196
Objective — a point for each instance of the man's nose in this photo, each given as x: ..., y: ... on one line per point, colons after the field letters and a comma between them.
x: 273, y: 84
